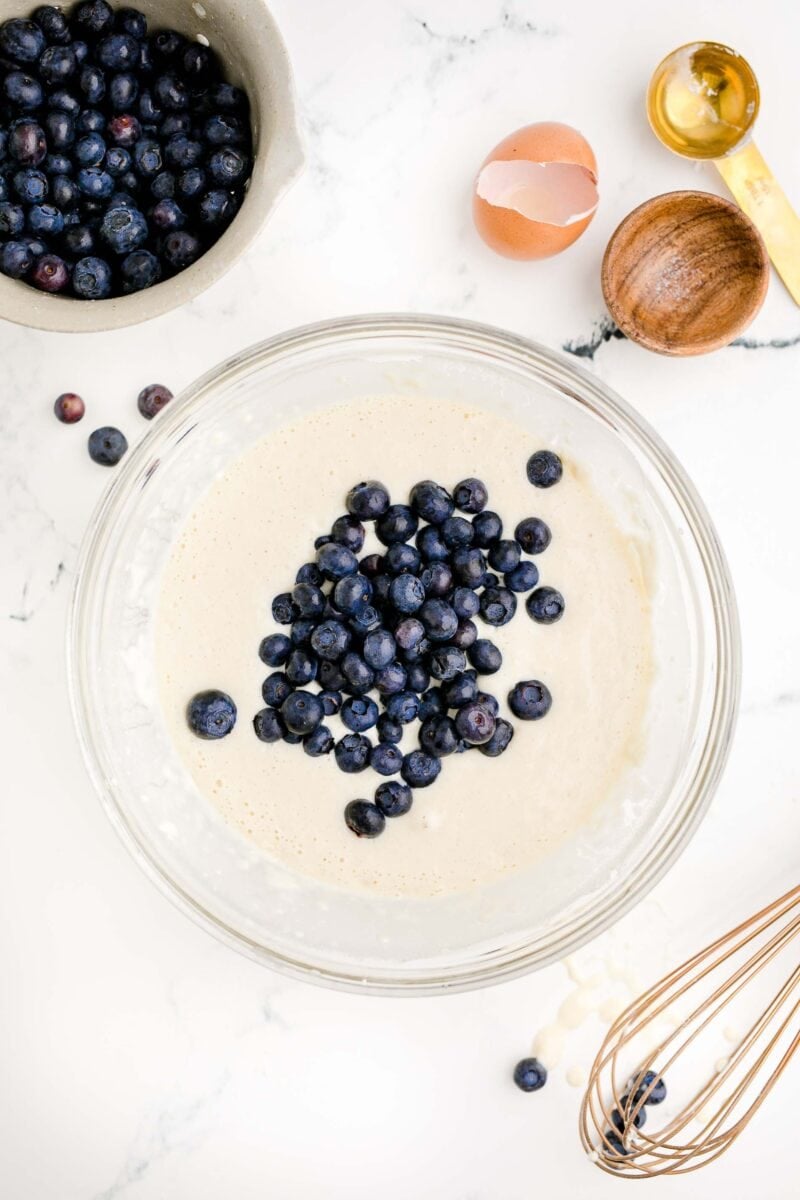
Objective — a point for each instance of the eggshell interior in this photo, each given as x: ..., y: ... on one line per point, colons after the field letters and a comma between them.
x: 558, y: 193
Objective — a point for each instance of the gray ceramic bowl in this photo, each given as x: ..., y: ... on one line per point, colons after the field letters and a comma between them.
x: 252, y: 50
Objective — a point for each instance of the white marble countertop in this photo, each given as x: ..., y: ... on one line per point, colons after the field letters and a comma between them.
x: 139, y: 1059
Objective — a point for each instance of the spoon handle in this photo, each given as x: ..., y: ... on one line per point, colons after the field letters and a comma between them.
x: 758, y: 193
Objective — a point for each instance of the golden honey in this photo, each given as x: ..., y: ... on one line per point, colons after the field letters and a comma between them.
x: 702, y: 100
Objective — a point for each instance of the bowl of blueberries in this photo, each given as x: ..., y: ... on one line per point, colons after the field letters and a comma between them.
x: 141, y: 151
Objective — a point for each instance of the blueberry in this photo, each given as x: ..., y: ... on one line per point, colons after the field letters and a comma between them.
x: 406, y: 593
x: 23, y: 90
x: 268, y: 725
x: 12, y: 219
x: 461, y: 689
x: 16, y: 259
x: 91, y: 278
x: 21, y: 40
x: 457, y: 532
x: 30, y: 185
x: 487, y: 528
x: 309, y: 573
x: 123, y: 91
x: 181, y: 249
x: 397, y: 524
x: 301, y: 668
x: 218, y: 208
x: 69, y: 408
x: 331, y: 702
x: 359, y: 678
x: 488, y: 701
x: 168, y: 44
x: 529, y: 700
x: 172, y: 93
x: 523, y: 577
x: 227, y: 98
x: 52, y: 22
x: 90, y: 150
x: 350, y: 593
x: 391, y: 680
x: 446, y: 662
x: 439, y: 619
x: 309, y: 599
x: 181, y: 152
x: 318, y: 742
x: 99, y: 185
x: 107, y: 445
x: 27, y: 142
x: 386, y: 759
x: 379, y: 647
x: 418, y: 677
x: 504, y: 555
x: 92, y: 82
x: 126, y: 131
x: 118, y: 52
x: 533, y: 535
x: 485, y: 657
x: 63, y: 101
x: 302, y: 630
x: 50, y: 274
x: 147, y: 157
x: 431, y: 502
x: 389, y: 730
x: 149, y: 112
x: 224, y: 129
x: 544, y: 468
x: 275, y: 689
x: 284, y: 610
x: 365, y: 620
x: 139, y: 270
x: 94, y: 17
x: 57, y: 64
x: 228, y: 166
x: 621, y: 1119
x: 438, y: 736
x: 368, y: 500
x: 192, y: 183
x: 409, y: 633
x: 490, y: 580
x: 330, y: 640
x: 275, y: 649
x: 403, y: 707
x: 352, y: 753
x: 117, y: 161
x: 123, y: 229
x: 302, y: 711
x: 469, y: 565
x: 199, y: 65
x: 431, y: 546
x: 500, y: 739
x: 330, y: 676
x: 465, y: 602
x: 470, y: 495
x: 420, y: 769
x: 364, y: 818
x: 545, y: 605
x: 613, y: 1146
x: 417, y: 654
x: 393, y: 798
x: 336, y: 561
x: 359, y: 713
x: 436, y: 579
x: 498, y: 605
x: 657, y: 1093
x: 131, y: 21
x: 431, y: 704
x: 401, y: 559
x: 475, y: 723
x: 348, y: 531
x: 530, y: 1075
x: 465, y: 635
x: 211, y: 714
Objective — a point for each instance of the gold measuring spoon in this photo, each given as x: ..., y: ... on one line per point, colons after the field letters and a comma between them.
x: 702, y: 103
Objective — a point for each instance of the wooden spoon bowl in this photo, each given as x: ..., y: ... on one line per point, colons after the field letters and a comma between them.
x: 685, y: 273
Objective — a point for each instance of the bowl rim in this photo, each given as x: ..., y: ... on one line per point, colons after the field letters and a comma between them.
x: 276, y: 166
x: 724, y: 635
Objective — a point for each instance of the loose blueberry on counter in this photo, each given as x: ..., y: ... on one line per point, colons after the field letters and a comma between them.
x: 402, y: 707
x: 371, y: 565
x: 431, y: 502
x: 504, y: 555
x: 457, y: 531
x: 336, y: 561
x: 439, y: 619
x: 152, y: 399
x: 268, y: 725
x: 524, y: 577
x: 409, y: 633
x: 284, y: 610
x: 275, y: 649
x: 436, y: 579
x: 446, y: 662
x: 319, y: 742
x: 500, y: 739
x: 474, y: 723
x: 487, y: 528
x: 107, y: 445
x: 389, y: 730
x: 350, y: 594
x: 470, y: 495
x: 461, y: 689
x: 386, y: 758
x: 469, y: 565
x: 465, y: 635
x: 364, y: 818
x: 359, y: 714
x: 365, y: 620
x: 211, y: 714
x: 301, y: 668
x: 359, y: 678
x: 488, y: 701
x: 438, y: 736
x: 419, y: 769
x: 658, y: 1092
x: 431, y: 545
x: 545, y: 605
x: 69, y: 408
x: 465, y: 602
x: 348, y: 531
x: 393, y: 798
x: 533, y: 535
x: 544, y: 468
x: 397, y: 524
x: 498, y: 605
x: 379, y: 648
x: 275, y: 689
x: 331, y: 702
x: 330, y: 676
x: 302, y: 629
x: 302, y: 712
x: 368, y: 500
x: 530, y: 700
x: 431, y: 704
x: 530, y: 1075
x: 401, y: 559
x: 352, y: 753
x: 308, y: 599
x: 330, y: 641
x: 309, y: 573
x: 418, y: 677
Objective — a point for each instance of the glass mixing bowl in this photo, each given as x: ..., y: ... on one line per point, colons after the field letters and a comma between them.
x: 344, y: 938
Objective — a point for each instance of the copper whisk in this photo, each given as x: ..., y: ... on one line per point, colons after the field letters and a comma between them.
x: 745, y: 969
